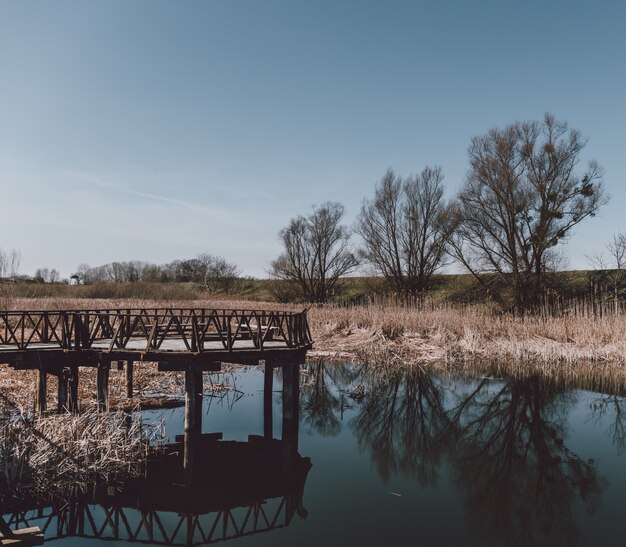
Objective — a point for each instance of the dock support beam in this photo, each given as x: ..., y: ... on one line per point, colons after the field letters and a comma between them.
x: 102, y: 387
x: 268, y: 385
x: 62, y: 390
x: 73, y: 392
x: 41, y: 394
x: 129, y: 379
x: 291, y: 408
x: 193, y: 421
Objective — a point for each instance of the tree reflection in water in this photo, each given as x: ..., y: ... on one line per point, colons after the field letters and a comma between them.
x: 520, y: 479
x: 322, y: 399
x: 403, y: 422
x: 611, y: 408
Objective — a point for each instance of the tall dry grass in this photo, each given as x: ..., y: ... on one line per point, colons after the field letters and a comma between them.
x: 577, y: 340
x: 51, y: 457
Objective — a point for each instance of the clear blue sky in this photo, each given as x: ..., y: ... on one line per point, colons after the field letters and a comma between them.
x: 156, y: 130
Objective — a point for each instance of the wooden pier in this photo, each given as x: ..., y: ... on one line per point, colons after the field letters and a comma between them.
x: 58, y: 342
x: 191, y: 340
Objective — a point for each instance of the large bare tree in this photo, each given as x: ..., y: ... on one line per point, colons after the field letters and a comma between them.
x: 405, y: 229
x: 523, y: 194
x: 316, y: 252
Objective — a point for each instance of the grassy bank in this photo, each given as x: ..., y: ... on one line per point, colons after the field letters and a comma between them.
x: 453, y: 288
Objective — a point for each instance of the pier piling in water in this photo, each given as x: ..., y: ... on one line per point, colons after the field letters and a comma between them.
x: 193, y: 421
x: 268, y: 384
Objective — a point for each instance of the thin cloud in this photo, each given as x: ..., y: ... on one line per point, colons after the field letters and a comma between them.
x: 100, y: 182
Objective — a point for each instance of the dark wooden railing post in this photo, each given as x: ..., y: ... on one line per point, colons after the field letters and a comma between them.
x: 290, y: 330
x: 45, y: 335
x: 128, y: 329
x: 65, y: 331
x: 229, y: 333
x: 194, y: 334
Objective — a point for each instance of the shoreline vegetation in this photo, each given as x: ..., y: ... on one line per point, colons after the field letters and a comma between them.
x: 578, y: 345
x: 577, y: 348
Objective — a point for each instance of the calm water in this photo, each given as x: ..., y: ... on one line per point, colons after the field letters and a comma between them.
x: 403, y: 458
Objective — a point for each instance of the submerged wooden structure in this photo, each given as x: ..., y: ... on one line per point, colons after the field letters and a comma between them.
x: 58, y: 342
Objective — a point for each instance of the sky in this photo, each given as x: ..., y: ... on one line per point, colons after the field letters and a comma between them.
x: 155, y: 130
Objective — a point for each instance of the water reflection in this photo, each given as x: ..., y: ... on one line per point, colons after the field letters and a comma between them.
x: 200, y: 489
x: 505, y: 441
x: 611, y: 410
x: 245, y: 488
x: 323, y: 397
x: 403, y: 422
x: 520, y: 480
x: 500, y: 457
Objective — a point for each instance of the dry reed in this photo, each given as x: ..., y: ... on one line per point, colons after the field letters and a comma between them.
x: 56, y: 455
x: 577, y: 343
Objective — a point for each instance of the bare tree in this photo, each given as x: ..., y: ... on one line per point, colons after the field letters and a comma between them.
x: 3, y: 263
x: 42, y: 275
x: 13, y: 262
x: 405, y: 229
x: 609, y: 277
x: 55, y: 276
x: 617, y: 250
x: 82, y: 271
x: 317, y: 252
x: 522, y: 196
x: 215, y: 273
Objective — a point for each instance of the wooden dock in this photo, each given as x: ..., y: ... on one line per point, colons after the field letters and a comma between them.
x: 193, y: 340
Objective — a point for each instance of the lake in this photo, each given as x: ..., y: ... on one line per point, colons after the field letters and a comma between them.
x: 379, y: 457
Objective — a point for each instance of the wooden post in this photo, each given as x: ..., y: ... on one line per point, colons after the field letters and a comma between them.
x: 268, y: 384
x: 62, y: 390
x: 193, y: 421
x: 42, y: 391
x: 102, y: 387
x: 73, y: 393
x: 129, y: 379
x: 291, y: 408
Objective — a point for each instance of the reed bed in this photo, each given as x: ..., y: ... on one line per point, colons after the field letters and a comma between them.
x: 453, y: 334
x: 54, y: 456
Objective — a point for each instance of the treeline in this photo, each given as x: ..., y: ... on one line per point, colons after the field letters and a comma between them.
x: 208, y: 272
x: 211, y: 272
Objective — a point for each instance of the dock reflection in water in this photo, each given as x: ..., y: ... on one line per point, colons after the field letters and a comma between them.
x: 199, y: 490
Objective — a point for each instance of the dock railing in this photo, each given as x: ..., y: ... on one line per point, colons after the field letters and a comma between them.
x: 78, y: 330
